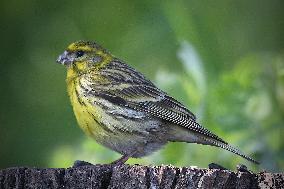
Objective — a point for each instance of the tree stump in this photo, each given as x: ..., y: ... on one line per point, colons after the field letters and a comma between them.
x: 135, y: 176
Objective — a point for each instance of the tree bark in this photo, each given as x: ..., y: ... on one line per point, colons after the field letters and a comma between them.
x: 135, y: 176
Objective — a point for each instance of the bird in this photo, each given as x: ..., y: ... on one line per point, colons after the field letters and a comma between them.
x: 123, y: 110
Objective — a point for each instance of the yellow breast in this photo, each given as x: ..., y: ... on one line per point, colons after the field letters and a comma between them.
x: 87, y: 114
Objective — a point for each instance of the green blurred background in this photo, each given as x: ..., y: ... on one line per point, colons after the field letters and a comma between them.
x: 223, y: 59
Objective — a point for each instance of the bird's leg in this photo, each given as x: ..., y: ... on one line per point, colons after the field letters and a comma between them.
x: 123, y: 159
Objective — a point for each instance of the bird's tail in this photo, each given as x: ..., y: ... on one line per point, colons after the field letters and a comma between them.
x: 183, y: 135
x: 226, y: 146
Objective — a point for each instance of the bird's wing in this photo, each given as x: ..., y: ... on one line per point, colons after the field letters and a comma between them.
x: 143, y: 93
x: 153, y: 101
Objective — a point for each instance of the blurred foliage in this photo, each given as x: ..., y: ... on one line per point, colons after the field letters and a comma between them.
x: 223, y: 59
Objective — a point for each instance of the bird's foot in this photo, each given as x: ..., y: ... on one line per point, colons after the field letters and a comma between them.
x: 120, y: 161
x: 79, y: 163
x: 216, y: 166
x: 243, y: 168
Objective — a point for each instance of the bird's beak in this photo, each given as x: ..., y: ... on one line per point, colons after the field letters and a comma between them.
x: 65, y: 59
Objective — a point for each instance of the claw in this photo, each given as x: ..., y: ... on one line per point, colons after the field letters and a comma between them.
x: 242, y: 168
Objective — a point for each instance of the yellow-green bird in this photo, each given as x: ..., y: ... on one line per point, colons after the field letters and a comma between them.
x: 124, y: 111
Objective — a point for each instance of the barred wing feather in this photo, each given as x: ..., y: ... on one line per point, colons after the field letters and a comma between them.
x: 157, y: 103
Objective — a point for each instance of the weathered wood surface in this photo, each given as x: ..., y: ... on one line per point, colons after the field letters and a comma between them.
x: 135, y: 176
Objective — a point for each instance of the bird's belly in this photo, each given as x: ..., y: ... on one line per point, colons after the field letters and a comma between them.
x: 120, y: 134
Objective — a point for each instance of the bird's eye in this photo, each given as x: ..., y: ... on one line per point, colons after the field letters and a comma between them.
x: 79, y: 54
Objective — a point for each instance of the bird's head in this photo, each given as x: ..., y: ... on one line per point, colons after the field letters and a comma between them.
x: 82, y: 56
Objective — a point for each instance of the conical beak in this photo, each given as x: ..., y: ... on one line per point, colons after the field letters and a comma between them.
x: 65, y: 59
